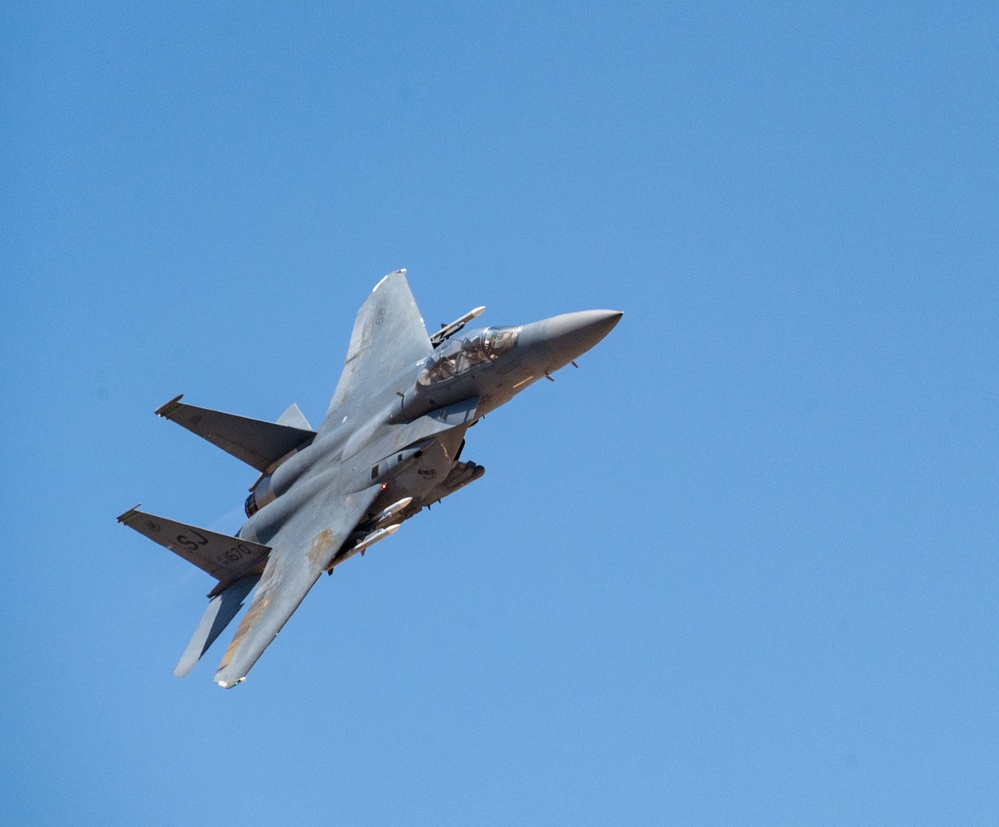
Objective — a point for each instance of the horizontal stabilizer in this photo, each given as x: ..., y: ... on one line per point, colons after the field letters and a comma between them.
x: 254, y: 441
x: 221, y: 610
x: 225, y: 558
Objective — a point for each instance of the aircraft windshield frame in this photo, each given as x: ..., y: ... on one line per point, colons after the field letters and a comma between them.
x: 459, y: 356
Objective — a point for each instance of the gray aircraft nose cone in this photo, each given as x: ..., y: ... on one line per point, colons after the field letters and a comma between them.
x: 557, y: 341
x: 580, y: 331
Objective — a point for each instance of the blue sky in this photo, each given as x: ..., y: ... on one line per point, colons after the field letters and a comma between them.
x: 739, y: 568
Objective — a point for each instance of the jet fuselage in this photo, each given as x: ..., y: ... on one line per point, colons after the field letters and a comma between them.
x: 488, y: 365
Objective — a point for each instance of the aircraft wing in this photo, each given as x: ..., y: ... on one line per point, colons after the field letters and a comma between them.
x: 301, y: 551
x: 389, y: 336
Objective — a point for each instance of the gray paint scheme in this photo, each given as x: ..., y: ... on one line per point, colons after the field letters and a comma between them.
x: 222, y: 608
x: 256, y: 443
x: 389, y: 443
x: 225, y: 558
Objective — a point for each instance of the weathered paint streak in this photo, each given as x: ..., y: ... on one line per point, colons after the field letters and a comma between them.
x: 255, y: 612
x: 322, y: 545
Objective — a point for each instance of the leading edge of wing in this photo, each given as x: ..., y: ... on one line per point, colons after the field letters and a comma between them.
x: 388, y: 336
x: 301, y: 552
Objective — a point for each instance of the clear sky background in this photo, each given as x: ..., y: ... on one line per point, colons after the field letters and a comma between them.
x: 741, y: 567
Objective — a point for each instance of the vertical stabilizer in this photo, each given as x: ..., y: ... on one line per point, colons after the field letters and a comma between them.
x: 294, y: 418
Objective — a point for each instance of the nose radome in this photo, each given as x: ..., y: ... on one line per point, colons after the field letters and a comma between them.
x: 561, y: 339
x: 583, y: 329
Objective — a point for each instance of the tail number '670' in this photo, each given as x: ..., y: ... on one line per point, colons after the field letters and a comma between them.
x: 235, y: 554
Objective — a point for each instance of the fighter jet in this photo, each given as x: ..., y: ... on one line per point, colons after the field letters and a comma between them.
x: 389, y: 446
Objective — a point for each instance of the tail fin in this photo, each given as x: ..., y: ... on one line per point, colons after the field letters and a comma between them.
x: 294, y: 418
x: 254, y: 441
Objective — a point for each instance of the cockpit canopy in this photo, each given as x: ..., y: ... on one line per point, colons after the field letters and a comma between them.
x: 459, y: 356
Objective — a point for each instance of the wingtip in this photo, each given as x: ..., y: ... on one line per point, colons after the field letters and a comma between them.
x: 168, y: 408
x: 400, y: 272
x: 124, y: 518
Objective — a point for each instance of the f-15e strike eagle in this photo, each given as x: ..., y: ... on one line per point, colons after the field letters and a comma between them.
x: 389, y: 445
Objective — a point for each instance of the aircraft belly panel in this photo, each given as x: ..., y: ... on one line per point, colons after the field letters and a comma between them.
x: 430, y: 469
